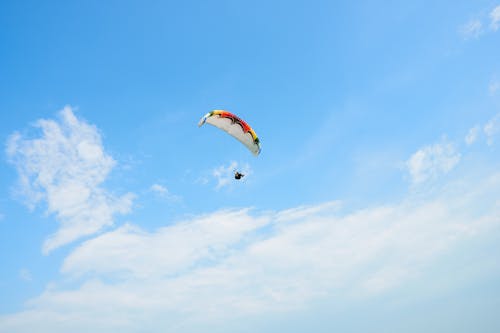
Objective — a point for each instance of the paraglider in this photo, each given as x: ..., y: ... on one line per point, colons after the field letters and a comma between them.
x: 237, y: 128
x: 234, y: 126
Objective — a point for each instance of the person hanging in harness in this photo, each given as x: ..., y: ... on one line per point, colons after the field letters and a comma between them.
x: 238, y: 175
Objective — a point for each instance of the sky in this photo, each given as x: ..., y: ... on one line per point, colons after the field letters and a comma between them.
x: 373, y: 206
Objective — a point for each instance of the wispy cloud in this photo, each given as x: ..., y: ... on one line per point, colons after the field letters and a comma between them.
x: 495, y: 18
x: 160, y: 189
x: 224, y: 174
x: 258, y: 262
x: 492, y: 129
x: 472, y: 135
x: 64, y: 167
x: 25, y: 275
x: 489, y: 131
x: 432, y: 161
x: 177, y: 248
x: 163, y: 192
x: 494, y: 87
x: 478, y: 26
x: 472, y: 29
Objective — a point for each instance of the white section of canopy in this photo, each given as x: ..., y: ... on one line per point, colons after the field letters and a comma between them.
x: 234, y: 129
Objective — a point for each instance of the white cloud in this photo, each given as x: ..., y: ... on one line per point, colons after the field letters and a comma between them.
x: 169, y: 250
x: 476, y: 27
x: 160, y: 189
x: 164, y: 193
x: 230, y: 264
x: 492, y: 128
x: 25, y: 275
x: 64, y: 166
x: 472, y: 135
x: 224, y: 175
x: 432, y: 161
x: 472, y: 29
x: 495, y: 18
x: 234, y: 263
x: 301, y: 212
x: 494, y: 87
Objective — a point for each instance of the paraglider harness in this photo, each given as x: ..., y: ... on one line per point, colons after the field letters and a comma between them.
x: 238, y: 175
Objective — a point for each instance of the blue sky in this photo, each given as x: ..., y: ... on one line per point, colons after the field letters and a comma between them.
x: 374, y: 205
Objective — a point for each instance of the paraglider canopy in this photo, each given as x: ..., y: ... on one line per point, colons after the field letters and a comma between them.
x: 234, y: 126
